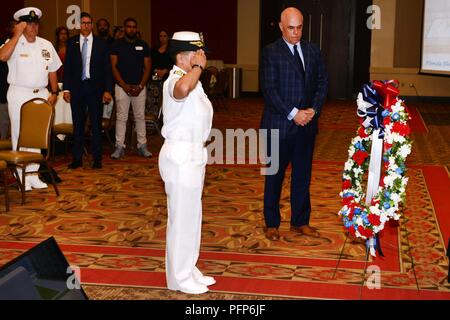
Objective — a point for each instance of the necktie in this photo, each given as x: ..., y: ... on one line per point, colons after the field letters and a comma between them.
x: 84, y: 50
x: 299, y: 60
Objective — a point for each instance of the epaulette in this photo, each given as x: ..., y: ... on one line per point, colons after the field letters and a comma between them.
x: 179, y: 73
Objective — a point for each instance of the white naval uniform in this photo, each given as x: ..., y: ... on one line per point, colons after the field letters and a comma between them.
x: 29, y: 66
x: 182, y: 162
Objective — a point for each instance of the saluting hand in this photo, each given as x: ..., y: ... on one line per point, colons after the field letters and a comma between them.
x: 199, y: 58
x: 18, y: 28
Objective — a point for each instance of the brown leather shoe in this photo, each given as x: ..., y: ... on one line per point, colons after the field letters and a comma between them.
x: 306, y: 230
x: 272, y: 234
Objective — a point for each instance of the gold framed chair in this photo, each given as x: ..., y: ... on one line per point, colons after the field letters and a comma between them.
x: 36, y: 122
x: 5, y: 145
x: 3, y: 169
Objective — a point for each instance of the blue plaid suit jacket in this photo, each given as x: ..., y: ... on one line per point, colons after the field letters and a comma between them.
x: 284, y: 88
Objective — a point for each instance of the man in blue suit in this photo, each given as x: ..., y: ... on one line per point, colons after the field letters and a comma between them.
x: 87, y: 84
x: 294, y: 83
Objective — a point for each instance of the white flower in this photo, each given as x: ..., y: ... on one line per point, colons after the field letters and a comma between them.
x: 351, y: 151
x: 405, y: 151
x: 398, y: 138
x: 358, y: 171
x: 395, y: 197
x: 398, y: 107
x: 389, y: 181
x: 349, y: 165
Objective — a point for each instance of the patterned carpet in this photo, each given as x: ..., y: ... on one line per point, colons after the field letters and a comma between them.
x: 112, y: 222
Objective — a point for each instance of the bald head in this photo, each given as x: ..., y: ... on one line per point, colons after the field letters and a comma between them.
x: 291, y: 25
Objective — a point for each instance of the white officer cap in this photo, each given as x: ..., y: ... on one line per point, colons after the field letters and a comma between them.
x: 29, y: 14
x: 186, y: 41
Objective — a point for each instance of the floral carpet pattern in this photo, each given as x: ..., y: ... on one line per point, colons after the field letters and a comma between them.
x: 112, y: 222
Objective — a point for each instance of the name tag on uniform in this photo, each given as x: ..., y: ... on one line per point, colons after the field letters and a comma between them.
x: 24, y: 55
x: 139, y: 48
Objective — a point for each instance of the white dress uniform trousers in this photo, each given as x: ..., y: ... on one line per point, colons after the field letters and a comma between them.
x: 182, y: 162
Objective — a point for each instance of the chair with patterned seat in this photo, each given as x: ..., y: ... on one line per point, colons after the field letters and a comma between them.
x: 36, y: 122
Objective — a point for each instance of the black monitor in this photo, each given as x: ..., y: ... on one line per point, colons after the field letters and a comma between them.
x: 42, y: 273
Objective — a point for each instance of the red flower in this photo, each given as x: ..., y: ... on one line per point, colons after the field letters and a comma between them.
x: 374, y: 220
x: 350, y: 215
x: 387, y: 146
x: 346, y: 185
x: 348, y: 201
x: 360, y: 157
x: 365, y: 232
x: 362, y: 132
x: 352, y: 231
x: 387, y: 121
x: 402, y: 129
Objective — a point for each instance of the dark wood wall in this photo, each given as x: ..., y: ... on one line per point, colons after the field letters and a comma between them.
x: 339, y: 27
x: 217, y: 20
x: 408, y: 33
x: 8, y: 8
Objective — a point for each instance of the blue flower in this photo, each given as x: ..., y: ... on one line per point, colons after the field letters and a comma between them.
x: 348, y: 195
x: 387, y: 205
x: 387, y: 194
x: 357, y: 211
x: 385, y: 113
x: 385, y: 159
x: 360, y: 146
x: 399, y: 171
x: 395, y: 117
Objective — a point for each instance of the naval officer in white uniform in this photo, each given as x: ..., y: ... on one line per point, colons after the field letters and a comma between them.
x: 187, y: 124
x: 32, y: 63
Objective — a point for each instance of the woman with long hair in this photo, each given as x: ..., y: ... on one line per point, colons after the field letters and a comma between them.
x: 61, y: 37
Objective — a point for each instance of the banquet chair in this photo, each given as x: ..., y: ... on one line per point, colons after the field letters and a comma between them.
x: 36, y: 122
x: 3, y: 169
x: 5, y: 145
x: 153, y: 107
x: 218, y: 91
x: 65, y: 129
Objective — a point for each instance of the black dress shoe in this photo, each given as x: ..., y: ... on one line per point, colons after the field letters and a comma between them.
x: 97, y: 165
x: 75, y: 165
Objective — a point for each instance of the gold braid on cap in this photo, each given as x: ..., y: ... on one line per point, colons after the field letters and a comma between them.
x: 199, y: 44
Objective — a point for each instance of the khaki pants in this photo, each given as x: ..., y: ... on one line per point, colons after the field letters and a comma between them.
x: 123, y: 102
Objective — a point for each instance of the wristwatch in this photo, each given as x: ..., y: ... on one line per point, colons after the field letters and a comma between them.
x: 197, y: 65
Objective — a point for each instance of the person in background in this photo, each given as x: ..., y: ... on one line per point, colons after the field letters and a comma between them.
x: 188, y: 118
x: 87, y: 86
x: 294, y: 83
x: 131, y: 66
x: 118, y: 32
x: 62, y: 35
x: 103, y: 31
x: 32, y: 63
x: 4, y: 116
x: 161, y: 60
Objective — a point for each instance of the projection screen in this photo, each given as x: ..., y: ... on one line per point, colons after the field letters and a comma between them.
x: 436, y: 37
